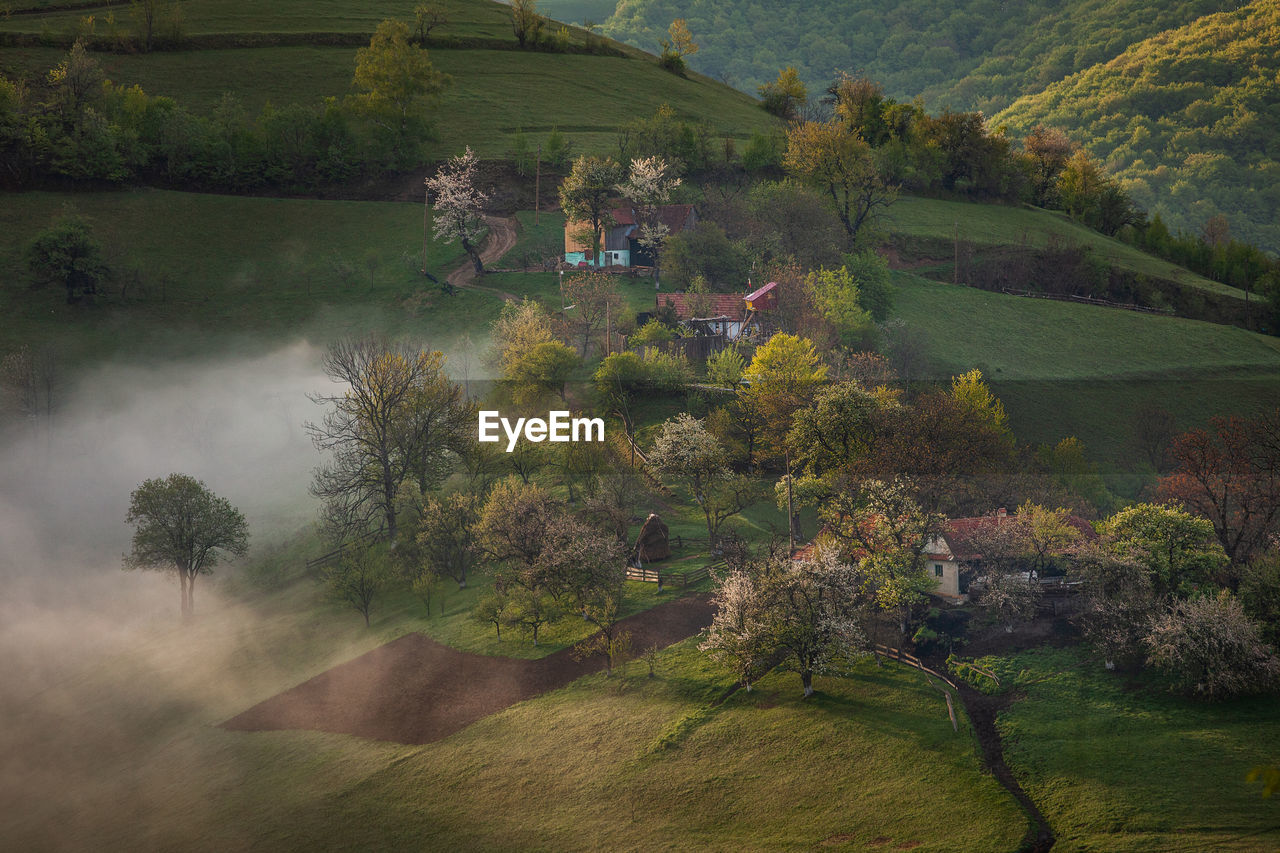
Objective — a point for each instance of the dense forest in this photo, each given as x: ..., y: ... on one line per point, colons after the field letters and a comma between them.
x: 1189, y: 120
x: 973, y: 54
x: 1176, y: 100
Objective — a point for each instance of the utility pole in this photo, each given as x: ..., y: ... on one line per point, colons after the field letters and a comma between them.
x: 608, y: 329
x: 791, y: 513
x: 537, y: 185
x: 426, y: 221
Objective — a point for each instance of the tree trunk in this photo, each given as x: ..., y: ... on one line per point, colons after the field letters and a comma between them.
x: 806, y: 678
x: 182, y: 578
x: 475, y: 255
x: 366, y: 617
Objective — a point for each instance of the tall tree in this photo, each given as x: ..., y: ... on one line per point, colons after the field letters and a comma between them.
x: 1230, y: 474
x: 447, y: 535
x: 828, y: 155
x: 1179, y: 549
x: 458, y: 201
x: 594, y: 297
x: 649, y: 186
x: 527, y: 23
x: 585, y: 195
x: 181, y: 526
x: 399, y: 419
x: 398, y: 84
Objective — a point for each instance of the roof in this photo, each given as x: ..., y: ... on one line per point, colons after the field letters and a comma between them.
x: 729, y: 305
x: 674, y: 216
x: 960, y: 532
x: 756, y: 294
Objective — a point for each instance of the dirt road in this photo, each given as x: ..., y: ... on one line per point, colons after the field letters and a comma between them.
x: 501, y: 239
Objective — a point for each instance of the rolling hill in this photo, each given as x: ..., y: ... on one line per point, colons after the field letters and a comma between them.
x: 1189, y: 119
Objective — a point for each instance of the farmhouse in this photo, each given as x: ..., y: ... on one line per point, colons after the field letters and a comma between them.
x: 619, y: 243
x: 727, y: 314
x: 949, y: 554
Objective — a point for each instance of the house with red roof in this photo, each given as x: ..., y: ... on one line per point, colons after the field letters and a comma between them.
x: 619, y: 238
x: 729, y: 314
x: 954, y: 550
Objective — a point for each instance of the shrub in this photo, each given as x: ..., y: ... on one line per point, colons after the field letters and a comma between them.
x: 1211, y: 649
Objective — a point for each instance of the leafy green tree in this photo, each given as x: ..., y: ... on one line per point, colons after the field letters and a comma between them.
x: 491, y: 609
x: 1179, y: 549
x: 585, y: 196
x: 705, y: 250
x: 447, y: 536
x: 542, y: 371
x: 398, y: 85
x: 358, y: 578
x: 68, y: 255
x: 528, y: 25
x: 181, y: 526
x: 836, y: 295
x: 786, y: 96
x: 886, y: 529
x: 783, y: 375
x: 726, y: 368
x: 651, y: 333
x: 828, y: 155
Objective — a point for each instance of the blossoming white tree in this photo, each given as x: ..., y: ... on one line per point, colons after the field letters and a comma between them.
x: 649, y: 186
x: 457, y: 202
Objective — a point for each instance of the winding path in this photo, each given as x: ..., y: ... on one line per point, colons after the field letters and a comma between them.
x: 501, y: 239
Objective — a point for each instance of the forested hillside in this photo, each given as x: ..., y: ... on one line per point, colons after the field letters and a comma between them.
x: 1190, y: 119
x: 971, y: 54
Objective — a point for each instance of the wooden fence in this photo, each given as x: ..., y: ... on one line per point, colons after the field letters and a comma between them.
x: 336, y: 553
x: 668, y: 577
x: 910, y: 660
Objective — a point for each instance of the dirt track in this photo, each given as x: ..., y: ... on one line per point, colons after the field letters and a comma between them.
x: 502, y: 237
x: 415, y: 690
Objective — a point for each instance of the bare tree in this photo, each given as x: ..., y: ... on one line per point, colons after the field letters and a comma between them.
x: 398, y: 418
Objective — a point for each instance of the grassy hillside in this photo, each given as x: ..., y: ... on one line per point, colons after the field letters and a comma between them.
x: 912, y: 220
x: 1111, y: 766
x: 495, y: 92
x: 1188, y: 118
x: 975, y: 54
x: 626, y: 763
x: 1064, y: 369
x: 207, y: 271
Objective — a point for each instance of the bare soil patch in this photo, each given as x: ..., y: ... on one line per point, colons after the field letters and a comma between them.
x: 414, y: 690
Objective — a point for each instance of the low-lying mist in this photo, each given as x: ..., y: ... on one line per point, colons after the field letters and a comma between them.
x: 98, y: 673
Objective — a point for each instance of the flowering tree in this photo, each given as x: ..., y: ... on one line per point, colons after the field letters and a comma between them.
x: 649, y: 186
x: 457, y: 204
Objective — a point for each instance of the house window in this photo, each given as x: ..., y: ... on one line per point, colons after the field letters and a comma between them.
x: 937, y: 570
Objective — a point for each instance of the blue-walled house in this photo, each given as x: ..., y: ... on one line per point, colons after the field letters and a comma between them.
x: 620, y: 246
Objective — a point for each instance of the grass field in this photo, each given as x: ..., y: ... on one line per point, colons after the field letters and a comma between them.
x: 1119, y: 768
x: 1064, y: 369
x: 217, y: 271
x: 494, y: 92
x: 625, y: 763
x: 999, y: 225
